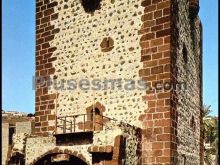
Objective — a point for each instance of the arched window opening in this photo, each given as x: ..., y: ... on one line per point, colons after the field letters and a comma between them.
x: 95, y: 119
x: 97, y: 111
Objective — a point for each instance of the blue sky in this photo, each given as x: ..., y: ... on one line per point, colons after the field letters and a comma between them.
x: 18, y: 57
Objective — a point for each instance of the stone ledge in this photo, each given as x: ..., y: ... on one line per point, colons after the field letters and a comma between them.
x: 100, y: 149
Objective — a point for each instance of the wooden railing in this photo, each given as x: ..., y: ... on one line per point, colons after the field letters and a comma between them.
x: 81, y: 123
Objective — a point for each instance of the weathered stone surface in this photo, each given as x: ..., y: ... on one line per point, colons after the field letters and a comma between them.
x: 188, y: 108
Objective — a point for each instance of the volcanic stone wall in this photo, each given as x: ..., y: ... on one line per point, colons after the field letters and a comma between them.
x: 80, y: 56
x: 188, y: 62
x: 81, y: 36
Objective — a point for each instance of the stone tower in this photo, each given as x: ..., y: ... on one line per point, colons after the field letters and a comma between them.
x: 82, y: 43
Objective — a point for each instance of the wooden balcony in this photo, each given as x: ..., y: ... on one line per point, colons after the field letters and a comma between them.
x: 79, y: 129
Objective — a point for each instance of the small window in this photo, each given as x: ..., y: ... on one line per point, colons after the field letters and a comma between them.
x: 91, y: 5
x: 193, y: 123
x: 97, y: 111
x: 185, y: 54
x: 11, y: 133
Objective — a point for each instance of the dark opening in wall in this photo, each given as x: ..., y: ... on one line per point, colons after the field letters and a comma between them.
x: 193, y: 123
x: 91, y: 5
x: 185, y: 54
x: 17, y: 159
x: 97, y: 111
x: 11, y: 133
x: 97, y: 119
